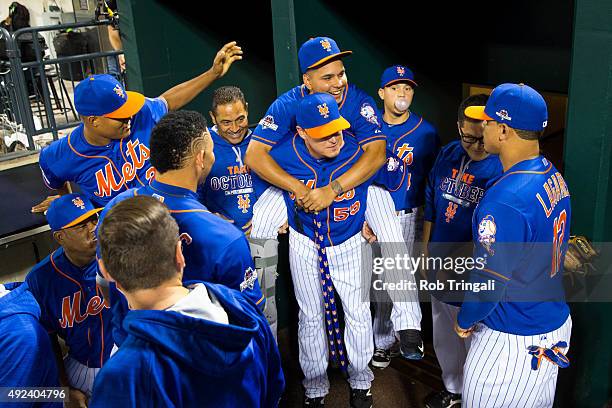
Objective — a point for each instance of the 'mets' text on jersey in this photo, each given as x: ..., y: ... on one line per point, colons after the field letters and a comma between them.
x: 103, y: 171
x: 521, y: 227
x: 416, y: 143
x: 72, y: 305
x: 454, y: 188
x: 228, y: 189
x: 357, y: 107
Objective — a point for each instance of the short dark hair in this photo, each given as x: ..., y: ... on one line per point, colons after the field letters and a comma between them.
x: 174, y: 138
x: 226, y: 95
x: 472, y: 100
x: 138, y: 239
x: 20, y: 16
x: 529, y: 134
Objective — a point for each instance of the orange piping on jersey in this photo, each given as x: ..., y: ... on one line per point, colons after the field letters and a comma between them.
x: 331, y: 176
x: 302, y: 160
x: 406, y: 134
x: 260, y: 300
x: 168, y: 194
x: 101, y: 325
x: 95, y: 157
x: 364, y: 141
x: 343, y: 97
x: 188, y: 211
x: 499, y: 275
x: 524, y: 172
x: 58, y: 270
x: 262, y: 138
x: 125, y: 160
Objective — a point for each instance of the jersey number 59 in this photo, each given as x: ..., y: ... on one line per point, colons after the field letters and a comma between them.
x: 558, y: 236
x: 342, y: 213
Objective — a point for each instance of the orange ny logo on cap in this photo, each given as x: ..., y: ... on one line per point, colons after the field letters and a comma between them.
x: 119, y: 91
x: 326, y: 45
x: 323, y: 110
x: 78, y: 203
x: 401, y: 71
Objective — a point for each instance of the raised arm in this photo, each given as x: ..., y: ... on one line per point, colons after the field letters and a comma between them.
x: 180, y: 95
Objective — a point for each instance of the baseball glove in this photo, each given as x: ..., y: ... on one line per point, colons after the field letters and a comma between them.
x: 580, y: 255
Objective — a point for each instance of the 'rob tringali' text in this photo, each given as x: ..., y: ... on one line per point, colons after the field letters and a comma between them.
x: 447, y: 285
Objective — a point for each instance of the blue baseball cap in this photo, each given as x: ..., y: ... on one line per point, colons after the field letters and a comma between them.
x: 316, y: 51
x: 395, y: 74
x: 69, y: 210
x: 517, y: 105
x: 319, y: 116
x: 103, y: 95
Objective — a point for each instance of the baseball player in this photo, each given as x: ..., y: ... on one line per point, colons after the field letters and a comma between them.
x: 215, y: 250
x: 72, y: 305
x: 109, y: 151
x: 415, y: 141
x: 454, y: 188
x: 520, y: 329
x: 323, y: 71
x: 228, y: 188
x: 199, y: 345
x: 325, y: 252
x: 26, y: 350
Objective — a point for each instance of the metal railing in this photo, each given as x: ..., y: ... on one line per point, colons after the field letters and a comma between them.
x: 36, y: 93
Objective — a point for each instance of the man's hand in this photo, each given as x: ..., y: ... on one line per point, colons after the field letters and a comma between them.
x: 77, y: 399
x: 44, y: 205
x: 225, y: 58
x: 367, y: 233
x: 284, y: 228
x: 463, y: 333
x: 121, y: 59
x: 300, y: 191
x: 318, y: 199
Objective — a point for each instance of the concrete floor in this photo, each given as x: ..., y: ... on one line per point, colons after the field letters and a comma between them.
x: 401, y: 385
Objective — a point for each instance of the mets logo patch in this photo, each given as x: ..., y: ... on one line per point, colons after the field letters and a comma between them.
x: 119, y: 91
x: 486, y: 233
x: 401, y: 71
x: 368, y: 112
x: 268, y: 123
x: 78, y: 202
x: 323, y: 110
x: 392, y: 164
x: 250, y: 277
x: 326, y: 45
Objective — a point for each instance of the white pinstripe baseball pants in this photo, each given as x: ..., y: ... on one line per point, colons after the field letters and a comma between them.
x: 392, y: 317
x: 451, y: 350
x: 80, y: 376
x: 345, y: 270
x: 497, y: 372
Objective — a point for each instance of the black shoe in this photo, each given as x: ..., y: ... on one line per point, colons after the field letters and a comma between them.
x: 381, y: 358
x: 361, y: 398
x: 411, y: 346
x: 317, y: 402
x: 443, y: 399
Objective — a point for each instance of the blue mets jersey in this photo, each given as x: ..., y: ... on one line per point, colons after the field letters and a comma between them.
x: 174, y: 360
x: 27, y: 357
x: 73, y: 306
x: 102, y: 172
x: 345, y: 216
x: 228, y: 189
x: 521, y: 229
x: 417, y: 143
x: 215, y: 251
x: 453, y: 189
x: 357, y: 107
